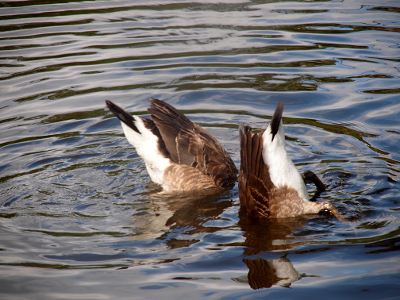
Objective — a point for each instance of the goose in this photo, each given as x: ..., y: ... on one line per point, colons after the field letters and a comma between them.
x: 179, y: 155
x: 269, y: 185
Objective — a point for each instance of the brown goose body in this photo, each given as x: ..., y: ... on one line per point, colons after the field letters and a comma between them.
x: 179, y: 154
x: 269, y: 184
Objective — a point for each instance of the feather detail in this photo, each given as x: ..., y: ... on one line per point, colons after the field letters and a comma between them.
x: 168, y: 140
x: 191, y: 145
x: 269, y: 184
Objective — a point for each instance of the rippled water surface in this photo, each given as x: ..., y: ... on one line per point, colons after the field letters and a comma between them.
x: 79, y: 216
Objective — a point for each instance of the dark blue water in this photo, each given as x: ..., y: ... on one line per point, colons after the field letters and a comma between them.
x: 79, y: 216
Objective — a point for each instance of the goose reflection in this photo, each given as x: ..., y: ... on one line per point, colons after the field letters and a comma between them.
x: 266, y: 273
x: 271, y: 235
x: 169, y: 214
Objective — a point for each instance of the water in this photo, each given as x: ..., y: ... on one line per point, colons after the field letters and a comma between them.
x: 81, y: 219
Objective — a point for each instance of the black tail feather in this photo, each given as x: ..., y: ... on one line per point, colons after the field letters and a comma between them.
x: 276, y: 119
x: 122, y: 115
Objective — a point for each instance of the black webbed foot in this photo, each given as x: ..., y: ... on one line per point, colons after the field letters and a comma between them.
x: 309, y: 176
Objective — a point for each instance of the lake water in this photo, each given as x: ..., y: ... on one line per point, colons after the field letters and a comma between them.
x: 79, y: 216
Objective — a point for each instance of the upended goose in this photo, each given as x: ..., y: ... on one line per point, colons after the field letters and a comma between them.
x: 269, y: 184
x: 179, y: 154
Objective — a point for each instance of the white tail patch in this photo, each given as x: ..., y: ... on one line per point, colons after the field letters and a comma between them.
x: 146, y: 144
x: 281, y: 168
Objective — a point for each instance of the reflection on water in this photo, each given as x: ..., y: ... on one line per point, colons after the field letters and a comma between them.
x: 272, y: 235
x: 77, y: 208
x: 170, y: 212
x: 264, y: 274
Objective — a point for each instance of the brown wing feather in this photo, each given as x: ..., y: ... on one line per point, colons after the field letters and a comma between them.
x: 258, y: 195
x: 255, y: 184
x: 191, y: 145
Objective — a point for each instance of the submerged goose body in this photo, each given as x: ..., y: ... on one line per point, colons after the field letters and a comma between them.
x: 179, y: 154
x: 269, y: 184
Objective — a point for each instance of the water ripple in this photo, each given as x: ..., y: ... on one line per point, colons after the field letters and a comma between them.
x: 75, y: 196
